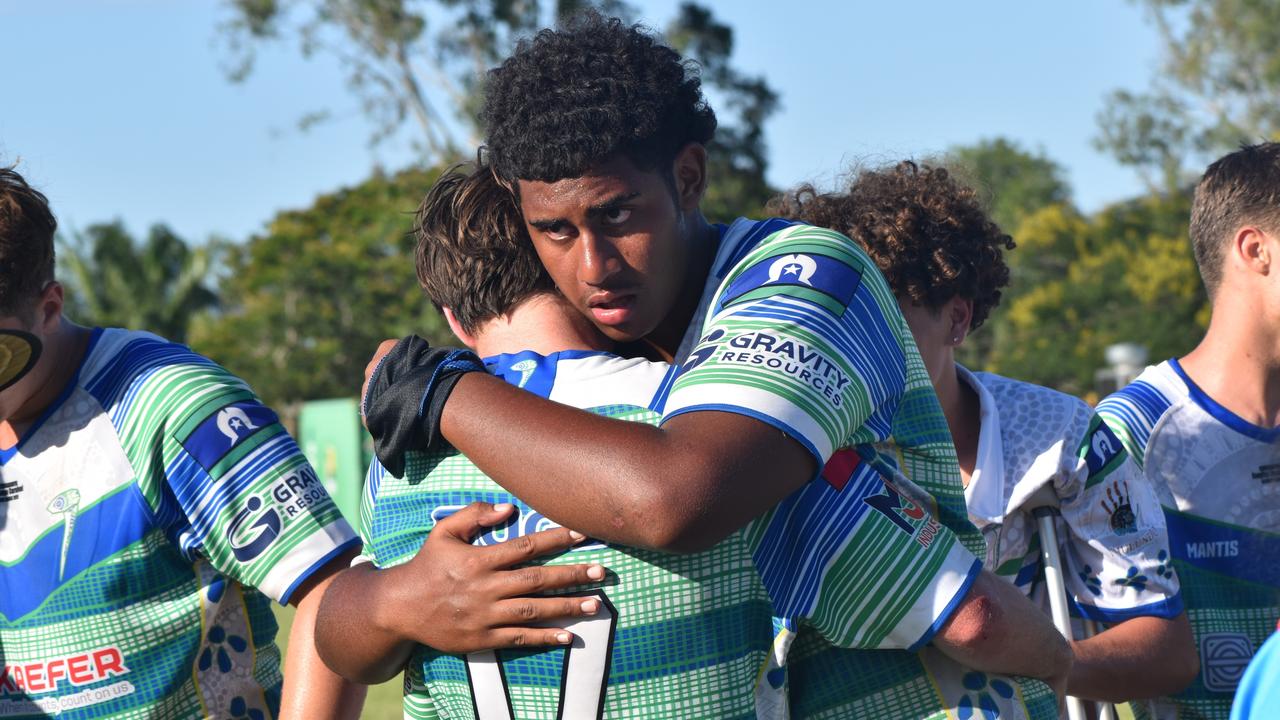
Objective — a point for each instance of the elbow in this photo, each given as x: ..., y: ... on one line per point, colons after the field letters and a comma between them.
x: 976, y: 625
x: 668, y: 515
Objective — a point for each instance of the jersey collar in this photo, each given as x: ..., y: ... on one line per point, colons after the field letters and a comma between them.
x: 985, y: 494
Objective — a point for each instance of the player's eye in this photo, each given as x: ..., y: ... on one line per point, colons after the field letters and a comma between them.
x: 616, y: 216
x: 557, y: 231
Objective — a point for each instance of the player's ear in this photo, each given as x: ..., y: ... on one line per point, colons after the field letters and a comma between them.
x: 690, y: 172
x: 49, y: 308
x: 960, y: 314
x: 456, y: 327
x: 1254, y: 249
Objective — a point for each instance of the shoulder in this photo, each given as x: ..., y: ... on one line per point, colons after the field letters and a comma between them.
x: 589, y: 380
x: 1134, y: 410
x: 140, y: 377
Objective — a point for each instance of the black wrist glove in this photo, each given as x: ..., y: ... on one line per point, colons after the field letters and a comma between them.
x: 406, y: 397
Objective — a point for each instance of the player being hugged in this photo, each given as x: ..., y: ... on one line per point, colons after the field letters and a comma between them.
x: 1204, y: 430
x: 794, y: 357
x: 944, y: 259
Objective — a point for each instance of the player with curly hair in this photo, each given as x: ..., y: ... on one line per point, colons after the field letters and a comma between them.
x: 944, y: 260
x: 801, y: 406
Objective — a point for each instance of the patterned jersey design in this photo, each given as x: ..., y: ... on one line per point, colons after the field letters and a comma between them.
x: 798, y: 328
x: 1216, y: 475
x: 1111, y: 530
x: 138, y: 513
x: 695, y: 636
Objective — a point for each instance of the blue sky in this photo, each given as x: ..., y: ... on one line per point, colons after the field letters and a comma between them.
x: 119, y: 108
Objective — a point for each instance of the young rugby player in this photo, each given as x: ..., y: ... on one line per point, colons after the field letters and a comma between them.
x: 794, y: 354
x: 943, y: 258
x: 1204, y: 429
x: 150, y: 510
x: 696, y: 626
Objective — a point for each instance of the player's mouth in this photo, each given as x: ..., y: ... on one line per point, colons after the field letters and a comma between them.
x: 612, y: 309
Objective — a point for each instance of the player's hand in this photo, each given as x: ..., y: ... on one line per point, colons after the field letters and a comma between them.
x: 459, y: 598
x: 384, y: 347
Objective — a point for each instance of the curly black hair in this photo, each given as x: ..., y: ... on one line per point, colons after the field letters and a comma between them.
x: 927, y: 232
x: 574, y: 97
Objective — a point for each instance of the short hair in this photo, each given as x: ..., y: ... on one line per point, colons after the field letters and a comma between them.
x: 928, y: 234
x: 473, y: 254
x: 1237, y: 190
x: 574, y: 97
x: 27, y: 227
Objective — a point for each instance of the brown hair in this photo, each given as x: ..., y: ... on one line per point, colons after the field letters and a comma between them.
x: 473, y: 253
x: 26, y: 243
x: 927, y: 233
x: 1236, y: 190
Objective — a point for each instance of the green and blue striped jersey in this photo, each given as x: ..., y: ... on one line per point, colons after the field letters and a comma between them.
x: 758, y: 626
x: 145, y: 520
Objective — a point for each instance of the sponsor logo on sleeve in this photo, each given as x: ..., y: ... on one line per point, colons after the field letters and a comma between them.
x: 251, y: 532
x: 799, y: 360
x: 906, y: 515
x: 1223, y: 658
x: 223, y: 431
x: 262, y: 517
x: 823, y: 279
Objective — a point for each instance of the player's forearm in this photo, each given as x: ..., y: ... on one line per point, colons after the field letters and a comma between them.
x: 1137, y: 659
x: 352, y: 632
x: 996, y: 629
x: 312, y: 690
x: 676, y: 488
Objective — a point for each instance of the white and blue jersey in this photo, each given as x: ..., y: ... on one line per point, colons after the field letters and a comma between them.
x: 1218, y: 478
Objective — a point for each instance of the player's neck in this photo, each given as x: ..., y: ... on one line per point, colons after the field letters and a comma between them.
x: 666, y: 338
x: 1238, y: 362
x: 544, y: 324
x: 962, y: 407
x: 61, y: 357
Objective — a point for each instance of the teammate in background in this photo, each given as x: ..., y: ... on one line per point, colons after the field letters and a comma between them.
x: 149, y: 506
x: 1204, y: 430
x: 943, y: 258
x: 794, y: 354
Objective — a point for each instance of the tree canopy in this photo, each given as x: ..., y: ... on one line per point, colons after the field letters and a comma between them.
x: 305, y: 303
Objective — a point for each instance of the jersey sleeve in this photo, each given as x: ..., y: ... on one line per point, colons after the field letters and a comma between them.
x: 368, y: 501
x: 239, y: 490
x: 862, y: 559
x: 1117, y: 551
x: 803, y: 334
x: 1132, y: 412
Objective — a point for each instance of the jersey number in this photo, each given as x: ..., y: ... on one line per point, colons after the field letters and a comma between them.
x: 582, y: 680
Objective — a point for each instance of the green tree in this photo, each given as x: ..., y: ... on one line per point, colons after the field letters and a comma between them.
x: 1014, y: 182
x: 1218, y: 85
x: 419, y: 63
x: 158, y: 284
x: 1125, y: 273
x: 306, y: 302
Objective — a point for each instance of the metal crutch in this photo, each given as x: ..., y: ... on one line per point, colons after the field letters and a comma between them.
x: 1044, y: 508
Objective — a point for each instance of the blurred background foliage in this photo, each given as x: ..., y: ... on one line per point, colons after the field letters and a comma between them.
x: 297, y: 308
